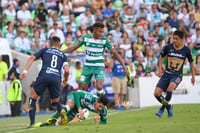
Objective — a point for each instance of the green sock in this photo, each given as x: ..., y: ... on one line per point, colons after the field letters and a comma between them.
x: 56, y: 115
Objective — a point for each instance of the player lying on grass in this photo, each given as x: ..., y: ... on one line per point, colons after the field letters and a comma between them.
x: 76, y: 101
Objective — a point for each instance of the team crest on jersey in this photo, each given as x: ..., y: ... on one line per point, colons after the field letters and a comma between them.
x: 178, y: 80
x: 81, y: 39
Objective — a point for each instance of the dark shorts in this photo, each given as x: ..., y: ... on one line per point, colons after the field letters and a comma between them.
x: 166, y: 79
x: 44, y: 82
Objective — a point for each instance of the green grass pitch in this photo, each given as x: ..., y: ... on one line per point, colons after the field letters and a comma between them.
x: 186, y: 120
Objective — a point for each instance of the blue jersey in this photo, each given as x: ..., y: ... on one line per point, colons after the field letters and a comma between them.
x: 118, y: 70
x: 176, y: 58
x: 52, y: 62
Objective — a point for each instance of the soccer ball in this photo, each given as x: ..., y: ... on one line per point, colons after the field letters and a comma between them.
x: 86, y: 114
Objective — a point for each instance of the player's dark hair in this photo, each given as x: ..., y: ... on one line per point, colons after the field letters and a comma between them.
x: 98, y: 25
x: 16, y: 74
x: 55, y: 41
x: 179, y: 33
x: 103, y: 99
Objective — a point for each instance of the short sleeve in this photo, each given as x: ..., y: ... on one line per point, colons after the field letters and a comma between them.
x: 163, y: 52
x: 65, y: 60
x: 109, y: 45
x: 39, y: 54
x: 189, y: 55
x: 81, y: 41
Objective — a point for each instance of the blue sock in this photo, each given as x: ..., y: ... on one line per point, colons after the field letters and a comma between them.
x: 58, y: 106
x: 168, y: 96
x: 32, y: 110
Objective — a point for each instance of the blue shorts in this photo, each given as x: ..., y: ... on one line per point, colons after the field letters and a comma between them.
x: 166, y: 79
x: 44, y: 82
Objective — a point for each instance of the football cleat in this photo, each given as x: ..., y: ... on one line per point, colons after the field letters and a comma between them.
x: 122, y: 108
x: 31, y: 126
x: 37, y: 124
x: 117, y: 108
x: 51, y: 121
x: 170, y: 111
x: 63, y: 117
x: 159, y: 113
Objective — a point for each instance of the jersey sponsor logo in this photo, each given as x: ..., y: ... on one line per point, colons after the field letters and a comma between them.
x: 55, y: 52
x: 91, y: 49
x: 91, y: 40
x: 52, y: 71
x: 88, y: 57
x: 93, y: 54
x: 177, y: 55
x: 95, y: 64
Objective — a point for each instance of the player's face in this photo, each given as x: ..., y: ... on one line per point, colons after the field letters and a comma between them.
x: 177, y: 40
x: 98, y: 32
x: 99, y: 106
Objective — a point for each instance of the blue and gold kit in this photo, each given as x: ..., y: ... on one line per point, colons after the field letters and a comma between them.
x: 175, y: 61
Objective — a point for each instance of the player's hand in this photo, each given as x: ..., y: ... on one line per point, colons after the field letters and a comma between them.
x: 193, y: 80
x: 160, y: 73
x: 63, y: 83
x: 125, y: 71
x: 96, y: 122
x: 23, y: 75
x: 81, y: 113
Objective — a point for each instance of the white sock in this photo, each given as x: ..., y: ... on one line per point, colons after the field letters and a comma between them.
x: 101, y: 91
x: 67, y: 107
x: 57, y: 123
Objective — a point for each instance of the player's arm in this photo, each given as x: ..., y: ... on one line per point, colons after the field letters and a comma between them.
x: 163, y: 53
x: 71, y: 48
x: 28, y: 64
x: 193, y: 72
x: 160, y: 63
x: 66, y: 74
x: 78, y: 105
x: 103, y: 119
x: 190, y: 59
x: 111, y: 64
x: 129, y: 64
x: 117, y: 56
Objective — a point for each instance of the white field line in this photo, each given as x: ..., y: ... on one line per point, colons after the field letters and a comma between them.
x: 110, y: 113
x: 21, y: 130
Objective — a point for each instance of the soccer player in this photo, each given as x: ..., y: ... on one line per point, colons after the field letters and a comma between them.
x: 76, y: 101
x: 94, y: 65
x: 175, y: 53
x: 49, y: 77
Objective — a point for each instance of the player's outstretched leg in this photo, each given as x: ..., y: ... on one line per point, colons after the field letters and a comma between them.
x: 32, y: 109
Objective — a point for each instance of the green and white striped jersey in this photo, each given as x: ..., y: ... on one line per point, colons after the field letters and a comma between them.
x: 85, y: 99
x: 94, y: 49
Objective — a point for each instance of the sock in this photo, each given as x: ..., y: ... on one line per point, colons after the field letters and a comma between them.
x: 168, y: 96
x: 56, y: 115
x: 100, y: 92
x: 67, y: 107
x: 58, y: 106
x: 163, y: 107
x: 32, y: 109
x: 160, y: 98
x: 168, y: 106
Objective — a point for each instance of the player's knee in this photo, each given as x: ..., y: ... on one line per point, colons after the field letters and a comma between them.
x: 156, y: 94
x: 55, y: 100
x: 99, y: 87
